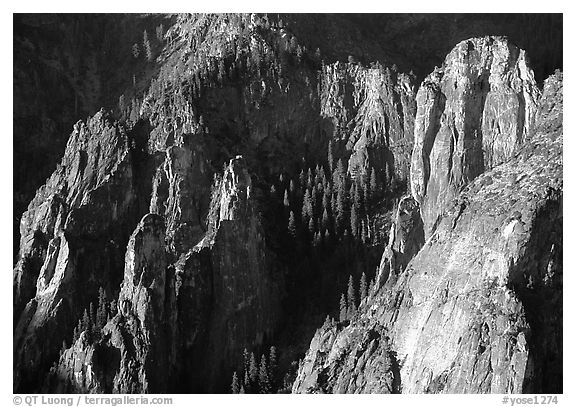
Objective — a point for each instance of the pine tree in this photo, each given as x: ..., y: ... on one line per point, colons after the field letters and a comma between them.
x: 351, y: 296
x: 306, y: 206
x: 364, y: 232
x: 146, y: 45
x: 121, y: 104
x: 363, y: 287
x: 311, y: 225
x: 309, y: 179
x: 325, y: 219
x: 160, y: 32
x: 101, y: 315
x: 286, y: 200
x: 317, y: 239
x: 326, y: 198
x: 273, y: 366
x: 86, y: 324
x: 302, y: 178
x: 221, y: 71
x: 253, y: 370
x: 338, y: 175
x: 264, y: 377
x: 135, y: 50
x: 92, y: 315
x: 77, y: 331
x: 292, y: 187
x: 235, y: 387
x: 272, y: 191
x: 353, y: 221
x: 292, y: 224
x: 343, y: 309
x: 247, y: 386
x: 340, y: 208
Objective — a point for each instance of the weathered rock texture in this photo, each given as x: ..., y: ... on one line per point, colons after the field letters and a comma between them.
x: 473, y: 113
x: 185, y: 323
x: 358, y: 362
x: 72, y: 241
x: 191, y: 256
x: 131, y: 355
x: 479, y: 308
x: 244, y: 295
x: 405, y: 238
x: 372, y: 112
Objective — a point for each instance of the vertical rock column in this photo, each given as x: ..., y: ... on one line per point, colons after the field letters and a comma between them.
x: 472, y: 114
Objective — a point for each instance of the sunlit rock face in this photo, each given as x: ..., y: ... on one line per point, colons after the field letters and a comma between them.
x: 477, y: 309
x: 473, y: 113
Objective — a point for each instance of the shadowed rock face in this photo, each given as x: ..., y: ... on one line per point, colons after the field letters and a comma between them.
x: 190, y: 318
x: 245, y: 290
x: 478, y: 309
x: 473, y: 113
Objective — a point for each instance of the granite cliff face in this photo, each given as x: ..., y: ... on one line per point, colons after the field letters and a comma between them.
x: 72, y: 240
x: 472, y: 114
x: 467, y: 314
x: 372, y: 112
x: 220, y: 207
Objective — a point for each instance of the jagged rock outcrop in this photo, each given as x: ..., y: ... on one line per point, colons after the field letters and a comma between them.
x: 372, y: 112
x: 473, y: 113
x: 72, y: 241
x: 478, y: 309
x: 245, y: 296
x: 181, y: 191
x: 129, y: 354
x: 193, y: 317
x: 192, y: 264
x: 358, y: 361
x: 405, y: 238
